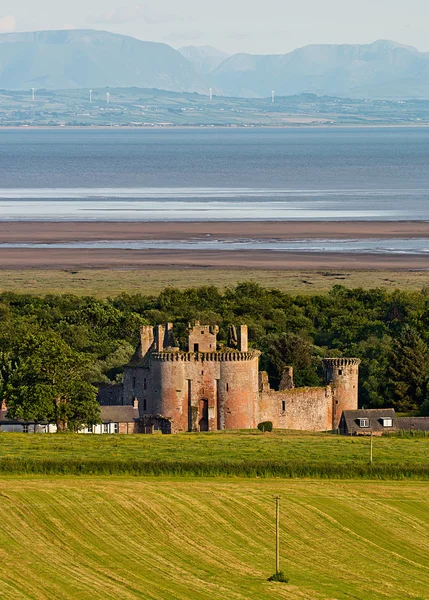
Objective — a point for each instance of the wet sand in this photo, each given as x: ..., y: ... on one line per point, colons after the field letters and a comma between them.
x: 69, y: 231
x: 21, y: 258
x: 50, y: 258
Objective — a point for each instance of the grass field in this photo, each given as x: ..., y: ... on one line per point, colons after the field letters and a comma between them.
x: 103, y: 283
x: 124, y: 538
x: 245, y: 453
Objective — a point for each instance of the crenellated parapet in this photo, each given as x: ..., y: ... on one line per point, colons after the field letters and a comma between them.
x: 341, y: 362
x: 230, y: 356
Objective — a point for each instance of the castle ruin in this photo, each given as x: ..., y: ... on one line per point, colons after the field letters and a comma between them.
x: 205, y: 387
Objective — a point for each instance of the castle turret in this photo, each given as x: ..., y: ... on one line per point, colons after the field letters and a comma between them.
x: 342, y: 375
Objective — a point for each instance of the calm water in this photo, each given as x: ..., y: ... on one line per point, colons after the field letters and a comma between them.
x: 373, y: 246
x: 313, y: 174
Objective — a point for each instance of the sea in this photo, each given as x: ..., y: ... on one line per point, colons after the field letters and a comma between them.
x: 215, y: 174
x: 208, y: 174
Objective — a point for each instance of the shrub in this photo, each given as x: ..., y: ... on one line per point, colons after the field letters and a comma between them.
x: 265, y: 426
x: 280, y: 576
x: 424, y: 409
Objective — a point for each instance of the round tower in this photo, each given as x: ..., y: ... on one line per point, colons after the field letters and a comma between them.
x: 238, y: 389
x: 342, y: 374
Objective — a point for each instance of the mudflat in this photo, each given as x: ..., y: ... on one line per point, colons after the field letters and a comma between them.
x: 88, y: 258
x: 70, y: 231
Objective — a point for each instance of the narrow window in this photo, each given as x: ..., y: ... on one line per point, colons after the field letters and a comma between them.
x: 340, y: 372
x: 283, y: 405
x: 134, y: 382
x: 144, y: 403
x: 227, y: 387
x: 145, y: 384
x: 196, y: 347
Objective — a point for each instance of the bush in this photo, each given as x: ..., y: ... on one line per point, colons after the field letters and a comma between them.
x: 265, y: 426
x: 280, y: 576
x: 424, y: 409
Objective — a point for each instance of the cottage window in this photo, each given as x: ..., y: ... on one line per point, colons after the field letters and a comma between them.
x: 363, y: 422
x: 105, y: 428
x: 25, y: 428
x: 387, y: 421
x: 115, y: 427
x: 90, y: 429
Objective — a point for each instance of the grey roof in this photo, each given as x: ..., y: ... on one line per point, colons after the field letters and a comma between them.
x: 419, y: 423
x: 349, y: 419
x: 119, y: 414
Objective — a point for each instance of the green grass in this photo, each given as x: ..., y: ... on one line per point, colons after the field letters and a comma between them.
x: 244, y: 453
x: 173, y: 539
x: 110, y: 282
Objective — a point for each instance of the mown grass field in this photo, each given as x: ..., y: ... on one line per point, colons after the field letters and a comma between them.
x: 240, y: 453
x: 125, y: 538
x: 104, y: 283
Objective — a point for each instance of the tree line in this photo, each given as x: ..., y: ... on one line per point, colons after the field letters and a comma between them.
x: 55, y: 350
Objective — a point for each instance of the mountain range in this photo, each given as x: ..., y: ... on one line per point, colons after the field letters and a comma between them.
x: 68, y: 59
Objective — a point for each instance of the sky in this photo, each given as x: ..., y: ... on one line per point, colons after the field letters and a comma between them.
x: 255, y: 26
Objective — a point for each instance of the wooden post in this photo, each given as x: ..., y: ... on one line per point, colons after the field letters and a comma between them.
x: 370, y: 453
x: 277, y: 535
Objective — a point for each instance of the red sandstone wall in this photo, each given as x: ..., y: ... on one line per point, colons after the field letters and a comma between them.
x: 308, y: 409
x: 238, y: 394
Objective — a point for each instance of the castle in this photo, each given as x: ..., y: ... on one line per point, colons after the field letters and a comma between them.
x: 206, y: 387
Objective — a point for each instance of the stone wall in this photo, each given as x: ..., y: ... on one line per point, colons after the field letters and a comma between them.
x: 306, y: 409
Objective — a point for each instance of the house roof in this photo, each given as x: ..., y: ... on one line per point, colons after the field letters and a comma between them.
x: 419, y: 423
x: 119, y: 414
x: 351, y: 419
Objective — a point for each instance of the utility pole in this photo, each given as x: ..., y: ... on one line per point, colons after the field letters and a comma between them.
x: 277, y: 498
x: 370, y: 451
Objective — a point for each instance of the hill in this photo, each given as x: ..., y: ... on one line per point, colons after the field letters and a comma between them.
x: 383, y: 69
x: 204, y: 58
x: 91, y: 59
x: 169, y: 539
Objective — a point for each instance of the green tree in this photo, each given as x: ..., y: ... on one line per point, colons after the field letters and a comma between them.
x: 49, y: 383
x: 409, y: 370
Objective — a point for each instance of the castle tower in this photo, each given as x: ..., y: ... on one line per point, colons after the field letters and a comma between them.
x: 342, y: 374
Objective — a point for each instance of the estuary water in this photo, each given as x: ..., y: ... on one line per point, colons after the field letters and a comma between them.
x: 215, y: 174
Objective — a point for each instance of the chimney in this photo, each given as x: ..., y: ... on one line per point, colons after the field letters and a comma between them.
x: 135, y: 403
x: 242, y: 333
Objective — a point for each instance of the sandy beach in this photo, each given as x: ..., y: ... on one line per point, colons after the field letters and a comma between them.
x: 50, y: 232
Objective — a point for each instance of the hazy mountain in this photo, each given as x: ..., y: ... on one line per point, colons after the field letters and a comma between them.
x: 204, y: 58
x: 87, y: 58
x: 383, y: 69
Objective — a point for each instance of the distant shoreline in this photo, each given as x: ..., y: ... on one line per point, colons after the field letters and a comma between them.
x: 205, y: 127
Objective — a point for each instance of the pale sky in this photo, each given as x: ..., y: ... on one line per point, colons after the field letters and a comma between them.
x: 256, y: 26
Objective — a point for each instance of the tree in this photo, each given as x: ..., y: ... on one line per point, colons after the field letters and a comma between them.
x: 49, y: 383
x: 409, y: 370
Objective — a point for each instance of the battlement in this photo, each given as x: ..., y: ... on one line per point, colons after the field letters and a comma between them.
x: 341, y: 362
x: 229, y: 356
